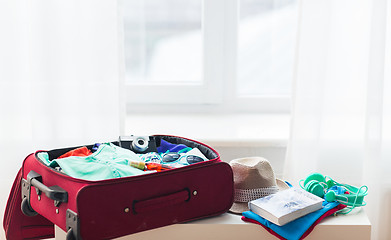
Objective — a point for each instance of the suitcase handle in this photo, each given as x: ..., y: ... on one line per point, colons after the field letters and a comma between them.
x: 55, y: 193
x: 157, y: 203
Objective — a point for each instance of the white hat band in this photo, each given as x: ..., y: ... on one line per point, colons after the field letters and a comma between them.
x: 247, y: 195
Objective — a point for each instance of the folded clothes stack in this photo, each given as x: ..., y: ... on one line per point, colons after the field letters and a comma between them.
x: 299, y: 228
x: 283, y: 210
x: 107, y: 161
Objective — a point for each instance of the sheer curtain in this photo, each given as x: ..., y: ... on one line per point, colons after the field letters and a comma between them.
x: 341, y: 124
x: 59, y: 78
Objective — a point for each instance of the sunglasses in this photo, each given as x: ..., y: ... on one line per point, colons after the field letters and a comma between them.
x: 176, y: 157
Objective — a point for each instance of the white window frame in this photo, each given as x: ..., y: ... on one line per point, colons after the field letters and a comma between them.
x: 216, y: 92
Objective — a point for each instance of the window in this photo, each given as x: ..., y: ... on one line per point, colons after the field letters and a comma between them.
x: 163, y: 41
x: 221, y: 55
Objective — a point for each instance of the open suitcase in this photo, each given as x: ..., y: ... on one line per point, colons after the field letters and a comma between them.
x: 42, y: 196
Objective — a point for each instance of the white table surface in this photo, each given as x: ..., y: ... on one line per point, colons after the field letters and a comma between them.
x: 230, y: 226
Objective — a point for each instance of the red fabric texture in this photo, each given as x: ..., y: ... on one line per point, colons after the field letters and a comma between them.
x: 16, y: 225
x: 155, y: 204
x: 101, y: 205
x: 309, y: 230
x: 79, y: 152
x: 162, y: 197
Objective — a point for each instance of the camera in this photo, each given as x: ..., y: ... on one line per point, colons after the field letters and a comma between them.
x: 138, y: 144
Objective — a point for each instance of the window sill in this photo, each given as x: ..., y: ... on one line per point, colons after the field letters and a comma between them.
x: 224, y: 130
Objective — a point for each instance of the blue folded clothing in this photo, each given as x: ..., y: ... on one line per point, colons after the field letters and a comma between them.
x: 296, y: 229
x: 171, y: 147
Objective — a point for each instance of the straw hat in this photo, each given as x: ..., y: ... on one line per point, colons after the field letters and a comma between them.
x: 253, y: 178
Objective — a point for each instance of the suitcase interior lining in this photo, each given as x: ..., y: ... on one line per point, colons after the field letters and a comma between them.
x: 208, y: 153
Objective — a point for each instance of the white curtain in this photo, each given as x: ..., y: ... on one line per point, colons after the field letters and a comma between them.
x: 341, y: 121
x: 59, y: 78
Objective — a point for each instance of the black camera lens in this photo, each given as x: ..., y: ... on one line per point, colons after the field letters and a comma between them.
x: 140, y: 144
x: 171, y: 157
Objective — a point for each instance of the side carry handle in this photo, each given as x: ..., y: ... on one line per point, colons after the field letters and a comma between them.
x: 153, y: 204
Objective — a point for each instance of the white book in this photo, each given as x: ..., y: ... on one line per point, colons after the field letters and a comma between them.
x: 286, y: 206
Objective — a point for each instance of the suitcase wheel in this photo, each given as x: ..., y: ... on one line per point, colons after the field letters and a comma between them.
x: 27, y: 209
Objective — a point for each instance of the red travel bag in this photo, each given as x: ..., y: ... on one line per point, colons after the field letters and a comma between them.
x: 42, y: 196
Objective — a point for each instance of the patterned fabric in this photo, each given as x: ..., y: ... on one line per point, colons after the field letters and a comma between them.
x: 247, y: 195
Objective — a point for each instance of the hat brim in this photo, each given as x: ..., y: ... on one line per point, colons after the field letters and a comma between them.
x: 240, y: 207
x: 282, y: 185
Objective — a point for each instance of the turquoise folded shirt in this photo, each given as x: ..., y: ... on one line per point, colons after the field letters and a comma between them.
x: 108, y: 162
